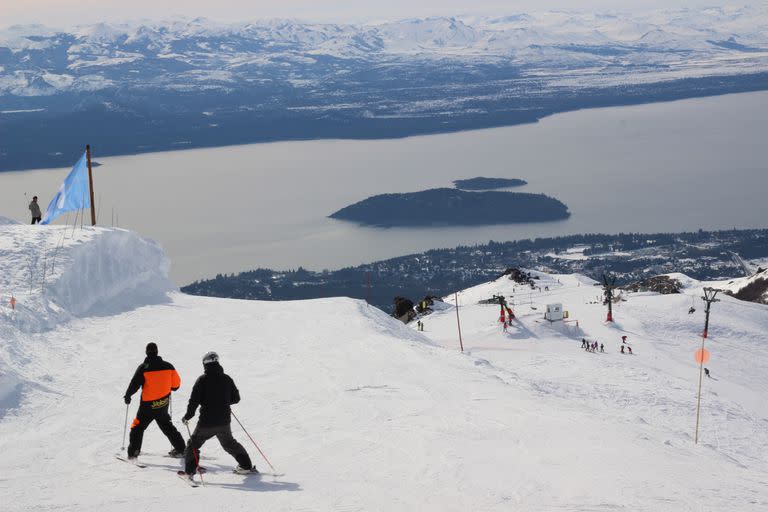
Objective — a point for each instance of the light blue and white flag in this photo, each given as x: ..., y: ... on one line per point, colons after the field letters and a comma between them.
x: 73, y: 193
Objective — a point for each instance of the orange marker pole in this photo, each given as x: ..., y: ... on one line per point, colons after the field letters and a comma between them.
x: 13, y: 303
x: 702, y: 356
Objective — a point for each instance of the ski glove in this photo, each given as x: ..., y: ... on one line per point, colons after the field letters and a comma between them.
x: 185, y: 420
x: 127, y: 399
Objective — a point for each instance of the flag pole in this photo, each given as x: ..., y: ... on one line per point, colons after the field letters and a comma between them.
x: 90, y: 183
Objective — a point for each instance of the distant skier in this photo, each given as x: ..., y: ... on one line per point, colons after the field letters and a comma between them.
x: 623, y: 339
x: 583, y: 343
x: 622, y: 349
x: 706, y: 372
x: 214, y: 392
x: 34, y: 208
x: 157, y: 379
x: 601, y: 348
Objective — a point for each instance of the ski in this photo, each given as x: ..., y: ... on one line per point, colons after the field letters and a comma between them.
x: 186, y: 478
x: 132, y: 462
x: 257, y: 473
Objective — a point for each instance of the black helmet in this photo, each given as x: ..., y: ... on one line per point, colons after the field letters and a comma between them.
x: 151, y: 349
x: 211, y: 357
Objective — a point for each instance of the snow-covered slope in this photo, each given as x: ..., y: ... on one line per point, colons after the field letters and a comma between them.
x: 647, y: 398
x: 364, y: 413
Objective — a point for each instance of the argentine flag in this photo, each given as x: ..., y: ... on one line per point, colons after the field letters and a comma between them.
x: 73, y: 193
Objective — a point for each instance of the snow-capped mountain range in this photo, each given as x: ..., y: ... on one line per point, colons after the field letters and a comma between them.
x: 36, y: 60
x: 417, y: 72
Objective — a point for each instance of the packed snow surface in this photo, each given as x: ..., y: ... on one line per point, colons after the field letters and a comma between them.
x: 362, y: 412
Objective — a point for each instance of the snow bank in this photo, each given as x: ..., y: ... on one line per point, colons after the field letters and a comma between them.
x: 56, y: 273
x: 52, y: 274
x: 115, y: 272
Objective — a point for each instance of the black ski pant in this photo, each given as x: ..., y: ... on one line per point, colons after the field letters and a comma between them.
x: 144, y: 417
x: 224, y: 434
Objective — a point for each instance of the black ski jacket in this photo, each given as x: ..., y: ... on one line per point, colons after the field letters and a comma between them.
x: 214, y: 392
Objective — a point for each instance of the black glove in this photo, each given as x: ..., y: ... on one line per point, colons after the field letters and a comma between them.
x: 185, y: 419
x: 127, y: 399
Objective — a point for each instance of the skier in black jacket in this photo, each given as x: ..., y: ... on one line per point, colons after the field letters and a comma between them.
x: 214, y: 392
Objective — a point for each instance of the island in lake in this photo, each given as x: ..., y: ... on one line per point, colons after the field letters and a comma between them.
x: 452, y: 207
x: 481, y: 183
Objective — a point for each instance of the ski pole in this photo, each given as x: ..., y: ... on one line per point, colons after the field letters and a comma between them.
x: 194, y: 452
x: 254, y: 442
x: 125, y: 426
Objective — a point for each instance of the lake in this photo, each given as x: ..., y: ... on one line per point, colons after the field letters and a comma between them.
x: 700, y: 163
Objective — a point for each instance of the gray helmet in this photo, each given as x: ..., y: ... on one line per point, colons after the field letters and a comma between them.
x: 211, y: 357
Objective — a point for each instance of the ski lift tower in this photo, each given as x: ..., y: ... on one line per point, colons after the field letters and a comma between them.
x: 609, y: 284
x: 709, y: 298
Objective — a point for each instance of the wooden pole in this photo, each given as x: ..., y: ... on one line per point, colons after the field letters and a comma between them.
x: 458, y: 323
x: 90, y: 183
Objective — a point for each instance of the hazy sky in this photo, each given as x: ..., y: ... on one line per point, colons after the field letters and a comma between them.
x: 68, y: 12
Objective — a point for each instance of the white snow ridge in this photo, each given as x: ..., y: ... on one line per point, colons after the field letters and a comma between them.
x: 361, y: 412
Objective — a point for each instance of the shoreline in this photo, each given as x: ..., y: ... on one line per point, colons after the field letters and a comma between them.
x: 300, y: 129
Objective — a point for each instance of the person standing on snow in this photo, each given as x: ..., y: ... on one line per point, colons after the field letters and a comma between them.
x: 214, y: 392
x: 157, y: 379
x: 34, y: 208
x: 601, y: 348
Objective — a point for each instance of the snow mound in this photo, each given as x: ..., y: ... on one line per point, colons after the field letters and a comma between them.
x: 50, y: 275
x: 56, y: 273
x: 4, y: 221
